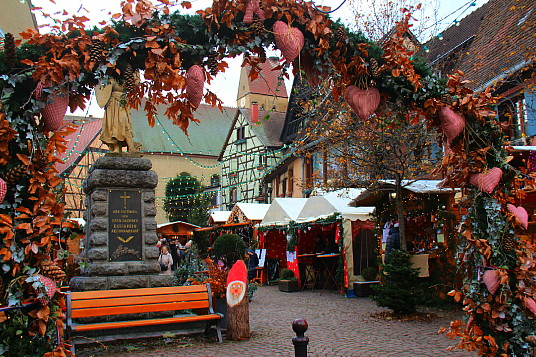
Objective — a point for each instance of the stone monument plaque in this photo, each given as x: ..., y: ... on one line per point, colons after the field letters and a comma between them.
x: 125, y: 225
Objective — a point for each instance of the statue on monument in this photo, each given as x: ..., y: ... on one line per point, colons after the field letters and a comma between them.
x: 116, y: 125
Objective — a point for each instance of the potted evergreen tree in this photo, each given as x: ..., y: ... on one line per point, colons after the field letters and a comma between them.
x: 288, y: 281
x: 399, y: 289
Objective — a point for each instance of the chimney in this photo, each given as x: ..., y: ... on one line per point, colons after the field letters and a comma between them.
x: 254, y: 112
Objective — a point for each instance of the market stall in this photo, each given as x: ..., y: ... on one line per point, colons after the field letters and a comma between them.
x: 329, y: 218
x: 281, y: 213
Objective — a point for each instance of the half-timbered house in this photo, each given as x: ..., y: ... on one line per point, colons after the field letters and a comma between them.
x: 253, y: 142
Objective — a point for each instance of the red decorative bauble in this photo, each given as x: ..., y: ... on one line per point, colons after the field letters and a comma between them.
x: 3, y: 190
x: 451, y: 123
x: 50, y: 288
x: 492, y: 281
x: 363, y: 102
x: 54, y: 112
x: 288, y: 39
x: 195, y: 82
x: 486, y: 182
x: 520, y: 213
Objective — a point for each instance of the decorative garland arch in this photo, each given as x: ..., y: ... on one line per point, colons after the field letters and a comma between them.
x: 178, y: 54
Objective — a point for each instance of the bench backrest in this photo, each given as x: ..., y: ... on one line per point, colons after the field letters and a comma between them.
x: 133, y: 301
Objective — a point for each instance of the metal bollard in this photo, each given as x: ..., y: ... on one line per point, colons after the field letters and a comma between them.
x: 300, y: 341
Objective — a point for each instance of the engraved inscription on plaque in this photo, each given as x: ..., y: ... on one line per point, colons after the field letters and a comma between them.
x: 124, y: 225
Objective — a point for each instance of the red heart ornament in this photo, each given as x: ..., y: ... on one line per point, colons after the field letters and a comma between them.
x: 520, y: 213
x: 491, y: 279
x: 3, y: 190
x: 530, y: 304
x: 195, y: 82
x: 451, y: 123
x: 363, y: 102
x: 486, y: 182
x: 53, y: 113
x: 253, y: 7
x: 288, y: 39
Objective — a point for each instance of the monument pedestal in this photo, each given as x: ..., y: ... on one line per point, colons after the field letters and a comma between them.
x: 120, y: 243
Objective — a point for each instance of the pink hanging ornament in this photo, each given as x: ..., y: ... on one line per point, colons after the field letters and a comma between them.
x: 38, y: 93
x: 288, y: 39
x: 487, y: 182
x: 451, y: 123
x: 3, y: 190
x: 53, y: 113
x: 363, y: 102
x: 530, y: 304
x: 253, y: 7
x: 195, y: 82
x: 492, y: 281
x: 520, y: 213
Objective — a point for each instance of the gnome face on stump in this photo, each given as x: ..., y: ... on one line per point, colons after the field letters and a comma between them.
x: 236, y: 283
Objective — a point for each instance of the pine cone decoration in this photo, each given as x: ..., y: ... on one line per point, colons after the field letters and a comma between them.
x: 446, y: 98
x: 9, y: 50
x: 96, y: 50
x: 212, y: 64
x: 129, y: 78
x: 374, y: 68
x: 15, y: 174
x: 509, y: 243
x: 341, y: 34
x: 52, y: 271
x: 257, y: 27
x: 40, y: 160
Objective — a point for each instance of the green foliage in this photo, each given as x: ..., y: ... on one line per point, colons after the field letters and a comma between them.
x: 15, y: 340
x: 398, y: 290
x: 184, y: 201
x: 287, y: 274
x: 229, y: 248
x: 189, y: 265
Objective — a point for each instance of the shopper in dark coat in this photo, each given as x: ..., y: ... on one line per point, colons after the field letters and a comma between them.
x: 393, y: 241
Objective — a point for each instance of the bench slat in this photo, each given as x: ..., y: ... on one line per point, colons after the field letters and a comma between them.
x: 134, y: 309
x: 121, y: 324
x: 141, y: 300
x: 97, y: 294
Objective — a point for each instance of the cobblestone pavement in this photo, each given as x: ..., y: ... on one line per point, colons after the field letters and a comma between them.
x: 338, y: 326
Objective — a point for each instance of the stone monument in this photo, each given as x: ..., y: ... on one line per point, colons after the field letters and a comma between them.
x: 120, y: 243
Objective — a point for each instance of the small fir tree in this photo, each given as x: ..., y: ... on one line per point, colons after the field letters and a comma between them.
x: 398, y: 290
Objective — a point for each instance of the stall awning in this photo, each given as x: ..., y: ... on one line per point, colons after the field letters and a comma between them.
x: 318, y: 207
x: 282, y: 211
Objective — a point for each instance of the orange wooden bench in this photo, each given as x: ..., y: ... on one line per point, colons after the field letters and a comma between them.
x: 134, y: 301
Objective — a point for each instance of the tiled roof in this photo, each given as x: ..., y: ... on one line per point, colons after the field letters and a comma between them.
x: 269, y: 127
x: 78, y: 142
x: 504, y: 38
x: 268, y: 82
x: 204, y: 138
x: 455, y: 36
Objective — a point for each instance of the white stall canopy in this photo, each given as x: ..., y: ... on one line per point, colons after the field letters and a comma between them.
x: 282, y: 211
x: 318, y: 207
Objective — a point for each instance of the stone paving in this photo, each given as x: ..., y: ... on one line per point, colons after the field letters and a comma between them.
x: 338, y: 326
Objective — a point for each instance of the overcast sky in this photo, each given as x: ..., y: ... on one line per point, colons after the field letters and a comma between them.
x: 226, y: 84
